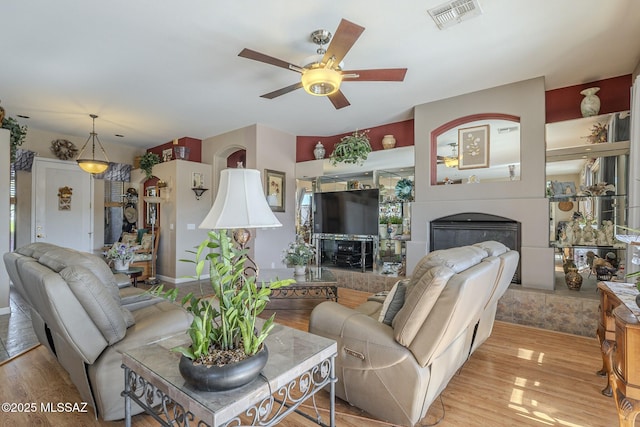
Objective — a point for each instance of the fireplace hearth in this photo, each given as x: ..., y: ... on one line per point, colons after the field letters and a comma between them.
x: 474, y: 227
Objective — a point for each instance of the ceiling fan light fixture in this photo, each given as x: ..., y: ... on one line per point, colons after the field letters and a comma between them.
x: 93, y: 165
x: 451, y: 162
x: 321, y: 81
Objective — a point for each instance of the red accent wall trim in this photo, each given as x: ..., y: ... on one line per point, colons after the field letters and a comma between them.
x: 195, y: 148
x: 402, y: 131
x: 564, y: 103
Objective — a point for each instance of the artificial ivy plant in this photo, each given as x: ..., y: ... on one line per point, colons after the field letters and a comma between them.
x: 18, y: 134
x: 352, y: 149
x: 147, y: 162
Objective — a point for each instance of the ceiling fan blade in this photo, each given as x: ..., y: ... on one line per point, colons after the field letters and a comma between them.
x: 339, y: 100
x: 378, y: 75
x: 346, y: 35
x: 282, y: 91
x: 261, y: 57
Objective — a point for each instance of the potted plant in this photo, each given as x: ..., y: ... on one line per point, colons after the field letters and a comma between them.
x: 395, y: 225
x: 227, y: 345
x: 298, y: 255
x: 383, y: 220
x: 17, y: 135
x: 121, y: 254
x: 147, y: 162
x: 352, y: 149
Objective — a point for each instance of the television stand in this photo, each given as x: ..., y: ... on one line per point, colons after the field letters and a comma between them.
x: 353, y: 251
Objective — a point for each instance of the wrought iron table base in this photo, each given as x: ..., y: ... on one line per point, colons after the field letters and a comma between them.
x: 267, y: 412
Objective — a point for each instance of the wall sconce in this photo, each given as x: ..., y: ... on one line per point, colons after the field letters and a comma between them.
x: 199, y: 191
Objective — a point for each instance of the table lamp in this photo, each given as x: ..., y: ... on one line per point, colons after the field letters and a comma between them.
x: 240, y: 205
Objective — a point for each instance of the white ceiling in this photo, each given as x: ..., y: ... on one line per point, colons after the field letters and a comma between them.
x: 154, y: 70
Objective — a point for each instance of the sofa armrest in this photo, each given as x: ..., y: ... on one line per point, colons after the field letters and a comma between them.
x: 135, y: 298
x: 122, y: 280
x: 363, y: 342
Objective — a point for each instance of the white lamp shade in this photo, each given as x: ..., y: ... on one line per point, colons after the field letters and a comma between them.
x: 240, y: 202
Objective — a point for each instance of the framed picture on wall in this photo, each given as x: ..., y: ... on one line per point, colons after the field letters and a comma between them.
x: 197, y: 180
x: 473, y: 147
x: 275, y: 189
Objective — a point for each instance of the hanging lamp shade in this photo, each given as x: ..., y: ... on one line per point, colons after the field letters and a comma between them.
x: 93, y: 165
x: 240, y: 202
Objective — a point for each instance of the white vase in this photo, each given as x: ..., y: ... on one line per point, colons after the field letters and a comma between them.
x: 299, y: 270
x: 590, y: 105
x: 120, y: 265
x: 388, y: 141
x: 319, y: 151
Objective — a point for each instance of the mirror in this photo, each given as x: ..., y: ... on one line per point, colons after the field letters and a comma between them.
x: 476, y: 149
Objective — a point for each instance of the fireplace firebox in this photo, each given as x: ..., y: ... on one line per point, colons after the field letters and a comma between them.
x: 474, y: 227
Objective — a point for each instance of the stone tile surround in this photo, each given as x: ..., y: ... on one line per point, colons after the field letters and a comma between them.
x: 574, y: 312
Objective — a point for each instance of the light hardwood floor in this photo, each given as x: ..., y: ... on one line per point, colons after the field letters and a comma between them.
x: 521, y: 376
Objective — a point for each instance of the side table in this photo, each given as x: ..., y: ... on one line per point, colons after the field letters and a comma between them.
x: 132, y: 272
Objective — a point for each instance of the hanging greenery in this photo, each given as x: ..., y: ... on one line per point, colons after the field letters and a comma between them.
x: 18, y: 134
x: 352, y: 149
x: 147, y: 162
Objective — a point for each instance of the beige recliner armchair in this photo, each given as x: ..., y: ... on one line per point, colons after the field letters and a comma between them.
x: 395, y: 370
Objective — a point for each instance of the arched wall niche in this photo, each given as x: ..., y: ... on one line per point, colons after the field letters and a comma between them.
x: 237, y: 158
x: 221, y: 161
x: 497, y: 157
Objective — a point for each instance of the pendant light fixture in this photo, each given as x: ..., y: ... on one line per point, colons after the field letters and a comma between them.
x: 93, y: 165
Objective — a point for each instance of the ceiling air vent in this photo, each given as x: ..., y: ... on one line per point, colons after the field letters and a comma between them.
x: 454, y: 12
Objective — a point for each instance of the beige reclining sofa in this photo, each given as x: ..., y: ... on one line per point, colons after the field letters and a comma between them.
x: 397, y: 354
x: 87, y: 318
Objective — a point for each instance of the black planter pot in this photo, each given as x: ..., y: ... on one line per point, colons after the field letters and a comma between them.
x: 220, y: 378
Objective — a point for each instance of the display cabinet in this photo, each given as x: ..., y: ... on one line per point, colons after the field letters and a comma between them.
x: 396, y: 194
x: 587, y: 182
x: 386, y: 250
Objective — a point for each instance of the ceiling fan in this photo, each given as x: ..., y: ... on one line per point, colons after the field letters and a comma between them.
x: 452, y: 160
x: 323, y: 77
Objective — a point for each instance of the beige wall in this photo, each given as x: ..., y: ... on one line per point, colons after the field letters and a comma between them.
x: 523, y: 200
x: 180, y: 215
x: 40, y: 142
x: 267, y: 148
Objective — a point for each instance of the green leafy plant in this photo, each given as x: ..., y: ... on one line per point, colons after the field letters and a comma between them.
x: 395, y: 220
x: 224, y: 328
x: 383, y: 219
x: 17, y: 134
x: 352, y: 149
x: 147, y: 162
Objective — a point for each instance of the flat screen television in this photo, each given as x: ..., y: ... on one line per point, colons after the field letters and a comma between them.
x: 346, y: 212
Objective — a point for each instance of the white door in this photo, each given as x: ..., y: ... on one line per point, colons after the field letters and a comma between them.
x: 59, y: 217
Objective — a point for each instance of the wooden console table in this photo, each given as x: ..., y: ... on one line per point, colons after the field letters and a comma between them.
x: 619, y: 335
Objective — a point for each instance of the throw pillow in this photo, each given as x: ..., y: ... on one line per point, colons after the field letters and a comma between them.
x: 129, y: 239
x: 146, y: 242
x: 393, y: 302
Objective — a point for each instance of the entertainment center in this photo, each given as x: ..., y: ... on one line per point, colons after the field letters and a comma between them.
x: 361, y: 220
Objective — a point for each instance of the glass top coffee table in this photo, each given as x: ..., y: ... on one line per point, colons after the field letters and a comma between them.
x: 300, y: 364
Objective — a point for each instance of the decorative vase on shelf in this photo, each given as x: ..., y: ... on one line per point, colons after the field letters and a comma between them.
x: 319, y: 151
x: 590, y: 105
x: 120, y: 265
x: 388, y: 141
x: 299, y: 270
